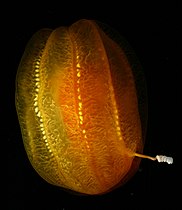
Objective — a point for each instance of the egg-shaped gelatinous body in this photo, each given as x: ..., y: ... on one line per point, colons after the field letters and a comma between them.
x: 78, y: 109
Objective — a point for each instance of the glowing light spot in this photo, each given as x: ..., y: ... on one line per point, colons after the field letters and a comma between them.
x: 35, y: 104
x: 118, y: 128
x: 78, y: 74
x: 38, y: 114
x: 36, y: 109
x: 80, y: 113
x: 36, y: 97
x: 117, y: 123
x: 78, y: 65
x: 81, y: 118
x: 80, y: 104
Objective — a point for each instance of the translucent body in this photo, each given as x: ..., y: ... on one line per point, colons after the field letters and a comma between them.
x: 77, y: 106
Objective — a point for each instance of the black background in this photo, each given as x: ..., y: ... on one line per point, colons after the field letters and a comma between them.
x: 151, y: 29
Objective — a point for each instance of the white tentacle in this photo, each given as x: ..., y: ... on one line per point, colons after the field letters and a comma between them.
x: 163, y: 158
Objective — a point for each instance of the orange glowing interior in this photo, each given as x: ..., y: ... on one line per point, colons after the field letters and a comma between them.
x: 78, y: 108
